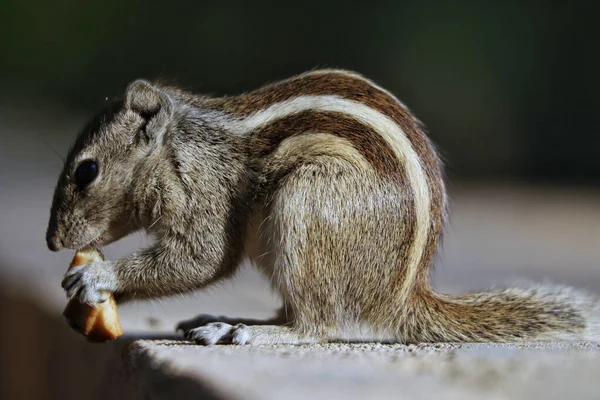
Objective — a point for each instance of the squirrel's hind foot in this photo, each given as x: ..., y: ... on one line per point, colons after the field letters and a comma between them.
x: 222, y: 333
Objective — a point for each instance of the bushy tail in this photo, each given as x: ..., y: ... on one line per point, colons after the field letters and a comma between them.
x: 540, y: 313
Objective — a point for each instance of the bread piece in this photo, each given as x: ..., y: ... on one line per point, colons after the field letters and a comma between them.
x: 99, y: 323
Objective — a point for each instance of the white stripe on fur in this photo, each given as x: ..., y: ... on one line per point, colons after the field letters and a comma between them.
x: 388, y: 129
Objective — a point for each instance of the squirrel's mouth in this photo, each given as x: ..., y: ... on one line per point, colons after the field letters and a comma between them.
x: 105, y: 238
x: 100, y: 240
x: 74, y: 241
x: 90, y: 240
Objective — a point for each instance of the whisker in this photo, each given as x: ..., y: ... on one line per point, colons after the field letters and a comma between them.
x: 56, y: 153
x: 261, y: 256
x: 152, y: 224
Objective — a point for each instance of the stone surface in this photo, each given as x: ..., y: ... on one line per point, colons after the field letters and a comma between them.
x: 374, y: 371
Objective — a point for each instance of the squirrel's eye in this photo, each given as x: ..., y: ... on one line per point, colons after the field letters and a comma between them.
x: 86, y: 173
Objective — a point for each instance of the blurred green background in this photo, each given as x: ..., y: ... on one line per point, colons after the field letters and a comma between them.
x: 506, y: 88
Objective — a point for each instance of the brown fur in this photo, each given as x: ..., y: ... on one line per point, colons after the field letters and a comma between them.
x: 354, y: 87
x: 362, y: 137
x: 318, y: 199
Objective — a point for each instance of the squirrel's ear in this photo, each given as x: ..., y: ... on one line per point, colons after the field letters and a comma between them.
x: 152, y: 104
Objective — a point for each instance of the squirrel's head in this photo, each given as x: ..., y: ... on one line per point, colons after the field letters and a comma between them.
x: 92, y: 203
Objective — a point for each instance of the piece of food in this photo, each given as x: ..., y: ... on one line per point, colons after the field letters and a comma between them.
x: 99, y: 323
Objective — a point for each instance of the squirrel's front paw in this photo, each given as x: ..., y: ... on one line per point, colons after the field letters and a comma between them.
x: 91, y: 283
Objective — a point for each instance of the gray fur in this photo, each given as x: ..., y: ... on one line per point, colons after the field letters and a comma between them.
x: 327, y: 231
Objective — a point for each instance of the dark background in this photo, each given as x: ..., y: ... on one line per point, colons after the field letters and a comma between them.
x: 506, y: 88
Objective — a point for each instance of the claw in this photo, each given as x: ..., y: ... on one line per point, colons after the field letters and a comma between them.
x: 90, y: 282
x: 77, y: 294
x: 68, y: 284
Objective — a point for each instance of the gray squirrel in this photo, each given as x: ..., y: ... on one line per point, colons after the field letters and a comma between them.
x: 325, y: 181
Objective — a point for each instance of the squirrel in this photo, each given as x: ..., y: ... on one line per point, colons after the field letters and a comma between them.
x: 326, y: 181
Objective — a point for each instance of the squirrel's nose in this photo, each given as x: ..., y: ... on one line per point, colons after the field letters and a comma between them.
x: 54, y: 243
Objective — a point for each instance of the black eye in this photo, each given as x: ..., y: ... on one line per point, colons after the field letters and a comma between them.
x: 86, y: 173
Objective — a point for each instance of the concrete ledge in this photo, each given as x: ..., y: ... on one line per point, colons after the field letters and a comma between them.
x: 41, y: 358
x: 172, y: 369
